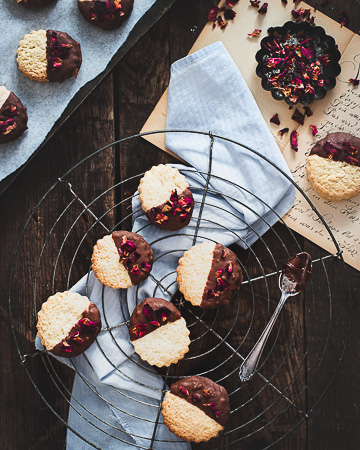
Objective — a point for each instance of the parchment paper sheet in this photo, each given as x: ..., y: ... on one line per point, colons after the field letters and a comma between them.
x: 46, y: 101
x: 338, y: 111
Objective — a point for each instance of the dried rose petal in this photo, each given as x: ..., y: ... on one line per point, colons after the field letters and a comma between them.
x: 314, y: 129
x: 263, y: 9
x: 294, y: 140
x: 146, y: 267
x: 308, y: 111
x: 148, y: 311
x: 330, y: 150
x: 354, y: 81
x: 231, y: 3
x: 221, y: 23
x: 350, y: 148
x: 223, y: 253
x: 140, y: 329
x: 206, y: 393
x: 76, y: 338
x: 298, y: 117
x: 213, y: 14
x: 195, y: 398
x: 7, y: 126
x: 129, y: 246
x: 184, y: 390
x: 163, y: 313
x: 219, y: 272
x: 218, y: 414
x: 229, y: 14
x: 343, y: 18
x: 221, y: 284
x: 255, y: 3
x: 66, y: 347
x: 211, y: 405
x: 210, y: 294
x: 275, y: 119
x: 135, y: 269
x: 156, y: 323
x: 283, y: 131
x: 87, y: 325
x: 229, y: 268
x: 351, y: 160
x: 10, y: 112
x: 255, y: 33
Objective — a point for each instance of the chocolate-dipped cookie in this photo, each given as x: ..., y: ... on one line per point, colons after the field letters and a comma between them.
x: 35, y: 3
x: 158, y: 332
x: 13, y: 116
x: 166, y: 198
x: 106, y: 14
x: 68, y: 324
x: 49, y: 56
x: 196, y: 408
x: 333, y: 166
x: 122, y: 259
x: 209, y: 275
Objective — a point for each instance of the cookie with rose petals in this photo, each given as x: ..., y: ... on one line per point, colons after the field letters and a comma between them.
x: 106, y: 14
x: 333, y: 166
x: 166, y: 198
x: 49, y: 55
x: 209, y: 275
x: 196, y: 409
x: 122, y: 259
x: 13, y: 116
x: 35, y: 3
x: 158, y: 332
x: 68, y: 324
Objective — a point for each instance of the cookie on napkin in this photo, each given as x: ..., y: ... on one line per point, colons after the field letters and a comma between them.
x: 49, y: 56
x: 166, y: 198
x: 209, y: 275
x: 158, y: 332
x: 122, y: 259
x: 68, y: 324
x: 196, y: 408
x: 13, y: 116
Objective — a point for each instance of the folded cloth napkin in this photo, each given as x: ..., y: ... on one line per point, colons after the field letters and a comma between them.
x: 115, y: 396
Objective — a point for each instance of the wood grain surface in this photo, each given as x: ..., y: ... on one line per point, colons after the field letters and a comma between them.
x: 314, y: 325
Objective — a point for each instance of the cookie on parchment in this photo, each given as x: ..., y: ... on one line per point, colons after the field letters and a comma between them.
x: 196, y: 408
x: 68, y: 324
x: 333, y: 166
x: 122, y: 259
x: 209, y: 275
x: 106, y: 14
x: 13, y: 116
x: 158, y: 332
x: 166, y: 198
x: 49, y: 56
x: 35, y: 3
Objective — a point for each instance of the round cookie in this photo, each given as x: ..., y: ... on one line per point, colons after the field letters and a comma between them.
x: 68, y: 324
x: 35, y: 3
x: 158, y: 332
x: 209, y: 275
x: 166, y: 198
x: 196, y: 408
x: 49, y: 56
x: 106, y: 14
x: 13, y: 116
x: 122, y: 259
x: 333, y: 166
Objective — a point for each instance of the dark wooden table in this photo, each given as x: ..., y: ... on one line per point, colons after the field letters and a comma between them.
x: 119, y: 107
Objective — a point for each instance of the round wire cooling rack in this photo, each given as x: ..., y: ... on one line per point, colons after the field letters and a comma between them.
x: 293, y: 375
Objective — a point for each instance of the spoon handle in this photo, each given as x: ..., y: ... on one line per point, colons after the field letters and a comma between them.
x: 248, y: 367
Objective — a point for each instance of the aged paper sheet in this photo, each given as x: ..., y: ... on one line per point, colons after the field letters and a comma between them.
x: 338, y: 111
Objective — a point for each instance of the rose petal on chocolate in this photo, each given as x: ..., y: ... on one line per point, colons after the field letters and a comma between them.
x: 263, y: 9
x: 283, y: 131
x: 140, y: 329
x: 146, y: 267
x: 210, y: 294
x: 298, y: 117
x: 163, y: 313
x: 184, y: 390
x: 350, y: 148
x: 75, y: 337
x: 229, y: 268
x: 87, y: 324
x: 156, y: 323
x: 10, y: 112
x: 294, y: 140
x: 351, y: 160
x: 148, y: 311
x: 211, y: 405
x: 218, y: 414
x: 330, y: 150
x: 221, y: 284
x: 7, y: 126
x: 255, y: 33
x: 223, y: 253
x: 207, y: 392
x: 219, y: 272
x: 275, y: 119
x: 66, y: 347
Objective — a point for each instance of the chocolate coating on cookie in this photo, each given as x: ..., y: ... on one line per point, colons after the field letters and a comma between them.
x: 175, y: 214
x: 81, y: 335
x: 151, y: 314
x: 207, y: 395
x: 339, y: 147
x: 225, y: 278
x: 35, y: 3
x: 63, y: 56
x: 13, y: 119
x: 106, y: 14
x: 135, y: 254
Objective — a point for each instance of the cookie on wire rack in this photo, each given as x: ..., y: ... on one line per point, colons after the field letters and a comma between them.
x: 166, y: 198
x: 68, y: 324
x: 209, y: 275
x: 13, y: 116
x: 333, y: 166
x: 196, y: 409
x: 122, y: 259
x: 49, y: 55
x: 106, y: 14
x: 158, y: 332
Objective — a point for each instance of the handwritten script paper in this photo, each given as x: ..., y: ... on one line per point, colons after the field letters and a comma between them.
x: 338, y: 111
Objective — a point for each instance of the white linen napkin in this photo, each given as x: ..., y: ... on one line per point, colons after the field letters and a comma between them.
x: 115, y: 395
